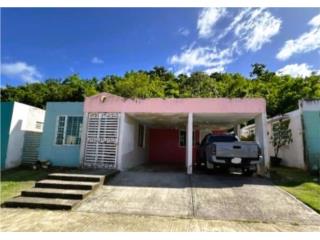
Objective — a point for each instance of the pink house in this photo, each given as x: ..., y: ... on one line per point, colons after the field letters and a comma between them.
x: 122, y: 133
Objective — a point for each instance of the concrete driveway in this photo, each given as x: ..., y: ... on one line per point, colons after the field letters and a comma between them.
x: 204, y: 196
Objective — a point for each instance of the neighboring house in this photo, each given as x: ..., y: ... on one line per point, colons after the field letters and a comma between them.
x: 60, y: 141
x: 304, y: 151
x: 310, y: 111
x: 108, y: 131
x: 21, y: 128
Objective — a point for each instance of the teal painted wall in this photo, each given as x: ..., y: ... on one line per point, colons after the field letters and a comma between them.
x: 311, y: 122
x: 6, y: 115
x: 59, y: 155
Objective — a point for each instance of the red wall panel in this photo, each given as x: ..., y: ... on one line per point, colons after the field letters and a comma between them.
x: 164, y: 147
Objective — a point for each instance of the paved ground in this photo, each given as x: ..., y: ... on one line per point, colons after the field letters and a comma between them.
x: 218, y: 197
x: 39, y: 220
x: 173, y: 201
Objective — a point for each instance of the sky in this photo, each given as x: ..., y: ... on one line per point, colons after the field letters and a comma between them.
x: 42, y: 43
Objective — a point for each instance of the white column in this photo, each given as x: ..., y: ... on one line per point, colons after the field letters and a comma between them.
x: 262, y: 138
x: 189, y: 143
x: 237, y: 129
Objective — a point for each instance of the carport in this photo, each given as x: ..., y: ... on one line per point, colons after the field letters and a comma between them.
x: 134, y: 121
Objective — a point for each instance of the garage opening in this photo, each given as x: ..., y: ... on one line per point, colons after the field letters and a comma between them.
x: 154, y: 140
x: 161, y: 139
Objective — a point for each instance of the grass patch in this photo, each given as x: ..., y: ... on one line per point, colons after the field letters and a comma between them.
x: 13, y: 181
x: 299, y: 183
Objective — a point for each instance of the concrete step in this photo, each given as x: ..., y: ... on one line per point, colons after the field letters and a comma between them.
x: 55, y: 193
x: 45, y: 203
x: 61, y: 184
x: 77, y: 177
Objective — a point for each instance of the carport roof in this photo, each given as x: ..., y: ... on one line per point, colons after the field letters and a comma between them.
x: 215, y: 121
x: 106, y: 102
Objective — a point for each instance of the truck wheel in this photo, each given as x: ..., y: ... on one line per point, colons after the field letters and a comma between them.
x: 209, y: 166
x: 247, y: 172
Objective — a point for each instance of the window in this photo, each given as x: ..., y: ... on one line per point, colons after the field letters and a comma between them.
x: 60, y: 130
x: 69, y: 130
x: 183, y: 138
x: 141, y: 136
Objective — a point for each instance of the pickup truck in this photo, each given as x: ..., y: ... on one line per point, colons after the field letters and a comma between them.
x: 226, y: 151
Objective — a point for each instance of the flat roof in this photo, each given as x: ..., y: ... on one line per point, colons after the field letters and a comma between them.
x: 106, y: 102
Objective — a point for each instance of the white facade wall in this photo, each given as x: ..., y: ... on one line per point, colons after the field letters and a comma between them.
x: 247, y: 130
x: 34, y: 115
x: 130, y: 154
x: 310, y: 105
x: 24, y: 118
x: 293, y: 154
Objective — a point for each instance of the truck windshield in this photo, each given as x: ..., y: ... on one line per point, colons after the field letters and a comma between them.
x: 222, y: 138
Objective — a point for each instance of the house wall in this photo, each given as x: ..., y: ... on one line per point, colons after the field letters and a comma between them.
x: 59, y: 155
x: 115, y: 103
x: 130, y: 154
x: 311, y: 121
x: 23, y: 120
x: 32, y: 135
x: 6, y: 115
x: 165, y: 147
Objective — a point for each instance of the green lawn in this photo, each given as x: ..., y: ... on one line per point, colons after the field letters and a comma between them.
x: 15, y: 180
x: 299, y: 183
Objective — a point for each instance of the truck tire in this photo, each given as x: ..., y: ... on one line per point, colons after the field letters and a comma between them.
x: 247, y: 172
x: 209, y: 165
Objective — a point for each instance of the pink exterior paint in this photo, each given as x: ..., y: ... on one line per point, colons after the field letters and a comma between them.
x: 113, y: 103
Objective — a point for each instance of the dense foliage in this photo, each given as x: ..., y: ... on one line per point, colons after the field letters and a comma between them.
x: 281, y: 92
x: 281, y: 135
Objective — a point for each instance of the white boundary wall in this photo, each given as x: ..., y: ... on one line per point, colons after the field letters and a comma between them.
x: 24, y: 118
x: 309, y: 105
x: 293, y: 154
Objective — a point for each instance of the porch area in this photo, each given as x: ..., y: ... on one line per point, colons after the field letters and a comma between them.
x: 171, y: 140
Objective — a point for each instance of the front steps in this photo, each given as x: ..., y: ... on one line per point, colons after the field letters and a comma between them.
x: 63, y: 184
x: 75, y: 177
x: 44, y: 203
x: 55, y: 193
x: 60, y: 191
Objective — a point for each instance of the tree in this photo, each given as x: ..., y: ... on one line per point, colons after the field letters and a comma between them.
x: 282, y: 93
x: 139, y: 85
x: 281, y: 135
x: 259, y: 71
